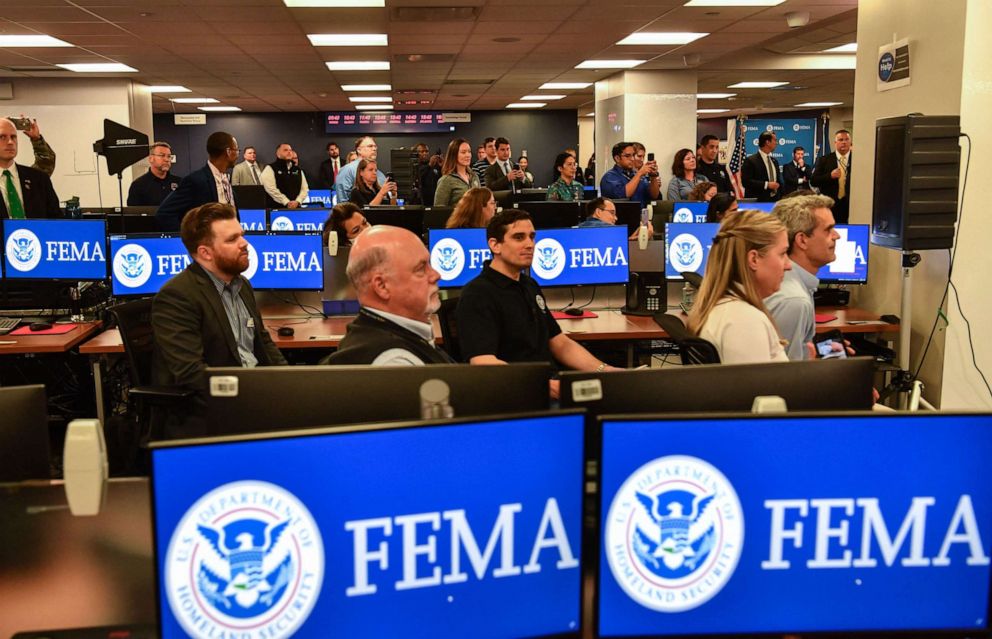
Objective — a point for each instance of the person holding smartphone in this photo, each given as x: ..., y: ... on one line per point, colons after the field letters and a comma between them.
x: 812, y: 239
x: 367, y: 191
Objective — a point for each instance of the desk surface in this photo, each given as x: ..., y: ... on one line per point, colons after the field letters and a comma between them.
x: 316, y: 332
x: 23, y: 344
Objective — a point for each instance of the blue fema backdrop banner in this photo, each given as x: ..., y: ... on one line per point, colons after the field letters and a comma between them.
x: 73, y: 250
x: 787, y: 524
x: 790, y: 134
x: 141, y: 265
x: 562, y: 257
x: 399, y: 533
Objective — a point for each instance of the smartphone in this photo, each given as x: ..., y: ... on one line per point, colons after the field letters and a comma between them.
x: 650, y: 157
x: 830, y: 345
x: 516, y: 167
x: 390, y: 178
x: 21, y: 124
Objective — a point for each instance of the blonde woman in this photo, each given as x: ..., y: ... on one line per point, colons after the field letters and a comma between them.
x: 747, y: 262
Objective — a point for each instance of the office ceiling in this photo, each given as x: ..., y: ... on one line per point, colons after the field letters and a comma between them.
x: 444, y: 54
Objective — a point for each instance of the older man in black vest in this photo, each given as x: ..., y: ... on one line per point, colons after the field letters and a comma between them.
x: 397, y: 288
x: 284, y: 182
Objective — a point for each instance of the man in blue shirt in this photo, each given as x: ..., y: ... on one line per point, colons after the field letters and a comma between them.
x: 623, y: 182
x: 367, y: 149
x: 603, y: 212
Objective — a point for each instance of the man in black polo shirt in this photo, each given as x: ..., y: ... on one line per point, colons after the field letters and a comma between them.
x: 391, y: 270
x: 502, y: 316
x: 153, y: 187
x: 708, y: 167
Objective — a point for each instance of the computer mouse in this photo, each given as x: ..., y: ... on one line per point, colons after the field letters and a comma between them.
x: 578, y: 312
x: 40, y: 326
x: 286, y: 331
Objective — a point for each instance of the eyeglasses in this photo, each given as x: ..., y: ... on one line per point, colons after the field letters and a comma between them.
x: 164, y: 156
x: 611, y: 212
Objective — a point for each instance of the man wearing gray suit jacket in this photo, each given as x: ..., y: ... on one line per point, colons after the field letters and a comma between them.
x: 247, y: 172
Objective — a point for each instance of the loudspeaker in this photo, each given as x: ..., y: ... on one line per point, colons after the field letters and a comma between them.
x: 917, y: 162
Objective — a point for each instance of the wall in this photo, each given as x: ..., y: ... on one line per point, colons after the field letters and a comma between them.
x: 962, y: 385
x: 936, y: 54
x: 587, y: 144
x: 543, y: 134
x: 70, y: 114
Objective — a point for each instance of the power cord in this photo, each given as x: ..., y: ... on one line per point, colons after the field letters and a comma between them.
x: 974, y: 361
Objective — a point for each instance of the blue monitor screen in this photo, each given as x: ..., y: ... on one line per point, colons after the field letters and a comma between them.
x: 298, y: 219
x: 321, y: 197
x: 795, y: 524
x: 756, y: 206
x: 851, y: 251
x: 282, y: 261
x: 462, y: 530
x: 141, y: 264
x: 252, y: 219
x: 562, y: 257
x: 690, y: 212
x: 73, y: 250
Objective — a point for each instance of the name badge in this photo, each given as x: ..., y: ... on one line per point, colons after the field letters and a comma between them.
x: 251, y: 322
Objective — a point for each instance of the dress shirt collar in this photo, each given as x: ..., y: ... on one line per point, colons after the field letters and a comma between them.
x: 423, y: 330
x: 809, y: 280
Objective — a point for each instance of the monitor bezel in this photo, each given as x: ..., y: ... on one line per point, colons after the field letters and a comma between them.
x: 57, y: 280
x: 320, y: 252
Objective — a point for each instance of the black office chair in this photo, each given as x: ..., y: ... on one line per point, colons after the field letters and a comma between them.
x: 693, y: 350
x: 449, y: 328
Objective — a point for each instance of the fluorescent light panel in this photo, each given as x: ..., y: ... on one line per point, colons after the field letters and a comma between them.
x: 10, y: 41
x: 542, y: 97
x: 369, y: 65
x: 333, y: 4
x: 714, y: 96
x: 819, y: 104
x: 220, y: 108
x: 590, y: 115
x: 366, y: 87
x: 560, y: 86
x: 733, y: 3
x: 98, y: 67
x: 526, y: 105
x: 661, y: 38
x: 610, y: 64
x: 712, y: 110
x: 194, y: 100
x: 167, y: 88
x: 374, y: 107
x: 756, y: 85
x: 348, y: 39
x: 371, y: 98
x: 844, y: 48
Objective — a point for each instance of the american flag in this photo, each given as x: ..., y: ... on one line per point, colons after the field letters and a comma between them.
x: 737, y: 157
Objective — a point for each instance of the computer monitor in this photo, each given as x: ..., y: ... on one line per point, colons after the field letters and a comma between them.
x: 62, y: 250
x: 562, y: 257
x: 436, y: 217
x: 781, y: 524
x: 24, y: 452
x: 141, y: 264
x: 250, y: 196
x: 690, y: 212
x: 308, y: 219
x: 410, y: 218
x: 590, y: 192
x: 468, y: 528
x: 252, y: 219
x: 288, y: 261
x: 554, y: 215
x: 835, y: 385
x: 324, y: 395
x: 629, y: 215
x: 687, y: 248
x: 325, y: 198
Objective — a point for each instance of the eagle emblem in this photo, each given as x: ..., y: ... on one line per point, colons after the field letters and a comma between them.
x: 132, y: 265
x: 547, y: 257
x: 686, y: 253
x: 447, y: 258
x: 678, y: 542
x: 23, y: 249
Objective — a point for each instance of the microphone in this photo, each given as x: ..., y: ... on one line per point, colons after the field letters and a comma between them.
x: 332, y: 244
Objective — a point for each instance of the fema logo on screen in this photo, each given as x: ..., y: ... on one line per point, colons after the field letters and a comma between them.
x: 448, y: 258
x: 795, y: 127
x: 886, y: 64
x: 685, y: 253
x: 282, y: 223
x: 132, y: 265
x: 674, y: 533
x: 549, y: 259
x: 246, y: 560
x: 252, y: 262
x: 682, y: 215
x: 23, y: 250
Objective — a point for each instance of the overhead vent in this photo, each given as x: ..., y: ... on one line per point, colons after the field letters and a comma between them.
x: 422, y: 58
x: 467, y: 82
x: 433, y: 14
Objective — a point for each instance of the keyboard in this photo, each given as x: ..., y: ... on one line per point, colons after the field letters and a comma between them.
x: 7, y: 324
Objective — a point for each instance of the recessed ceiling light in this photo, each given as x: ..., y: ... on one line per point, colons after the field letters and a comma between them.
x: 220, y: 108
x: 714, y: 96
x: 733, y: 3
x: 372, y: 65
x: 366, y: 87
x: 194, y: 100
x: 819, y: 104
x: 609, y: 64
x: 526, y: 105
x: 167, y: 88
x: 296, y: 4
x: 559, y: 86
x: 660, y: 37
x: 756, y: 85
x: 844, y: 48
x: 374, y: 107
x: 31, y: 41
x: 542, y: 97
x: 370, y: 98
x: 348, y: 39
x: 98, y: 67
x: 712, y: 110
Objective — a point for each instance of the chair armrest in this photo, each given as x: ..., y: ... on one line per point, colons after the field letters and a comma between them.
x: 160, y: 395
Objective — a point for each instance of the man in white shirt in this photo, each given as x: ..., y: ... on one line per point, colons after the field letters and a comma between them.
x: 329, y: 168
x: 285, y: 184
x: 247, y: 172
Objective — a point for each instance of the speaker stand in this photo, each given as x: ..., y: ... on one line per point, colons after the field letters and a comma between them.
x: 902, y: 382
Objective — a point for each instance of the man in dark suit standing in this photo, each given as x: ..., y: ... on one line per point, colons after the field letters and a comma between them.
x: 206, y: 315
x: 832, y: 175
x: 26, y: 192
x: 501, y: 176
x: 760, y: 172
x: 796, y: 174
x: 209, y: 184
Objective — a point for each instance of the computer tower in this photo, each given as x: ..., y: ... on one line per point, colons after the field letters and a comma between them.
x: 917, y: 162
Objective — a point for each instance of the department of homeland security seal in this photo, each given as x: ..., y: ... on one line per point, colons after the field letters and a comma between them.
x: 246, y: 560
x: 674, y: 533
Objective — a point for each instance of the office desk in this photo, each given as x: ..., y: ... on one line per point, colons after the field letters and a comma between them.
x: 37, y: 344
